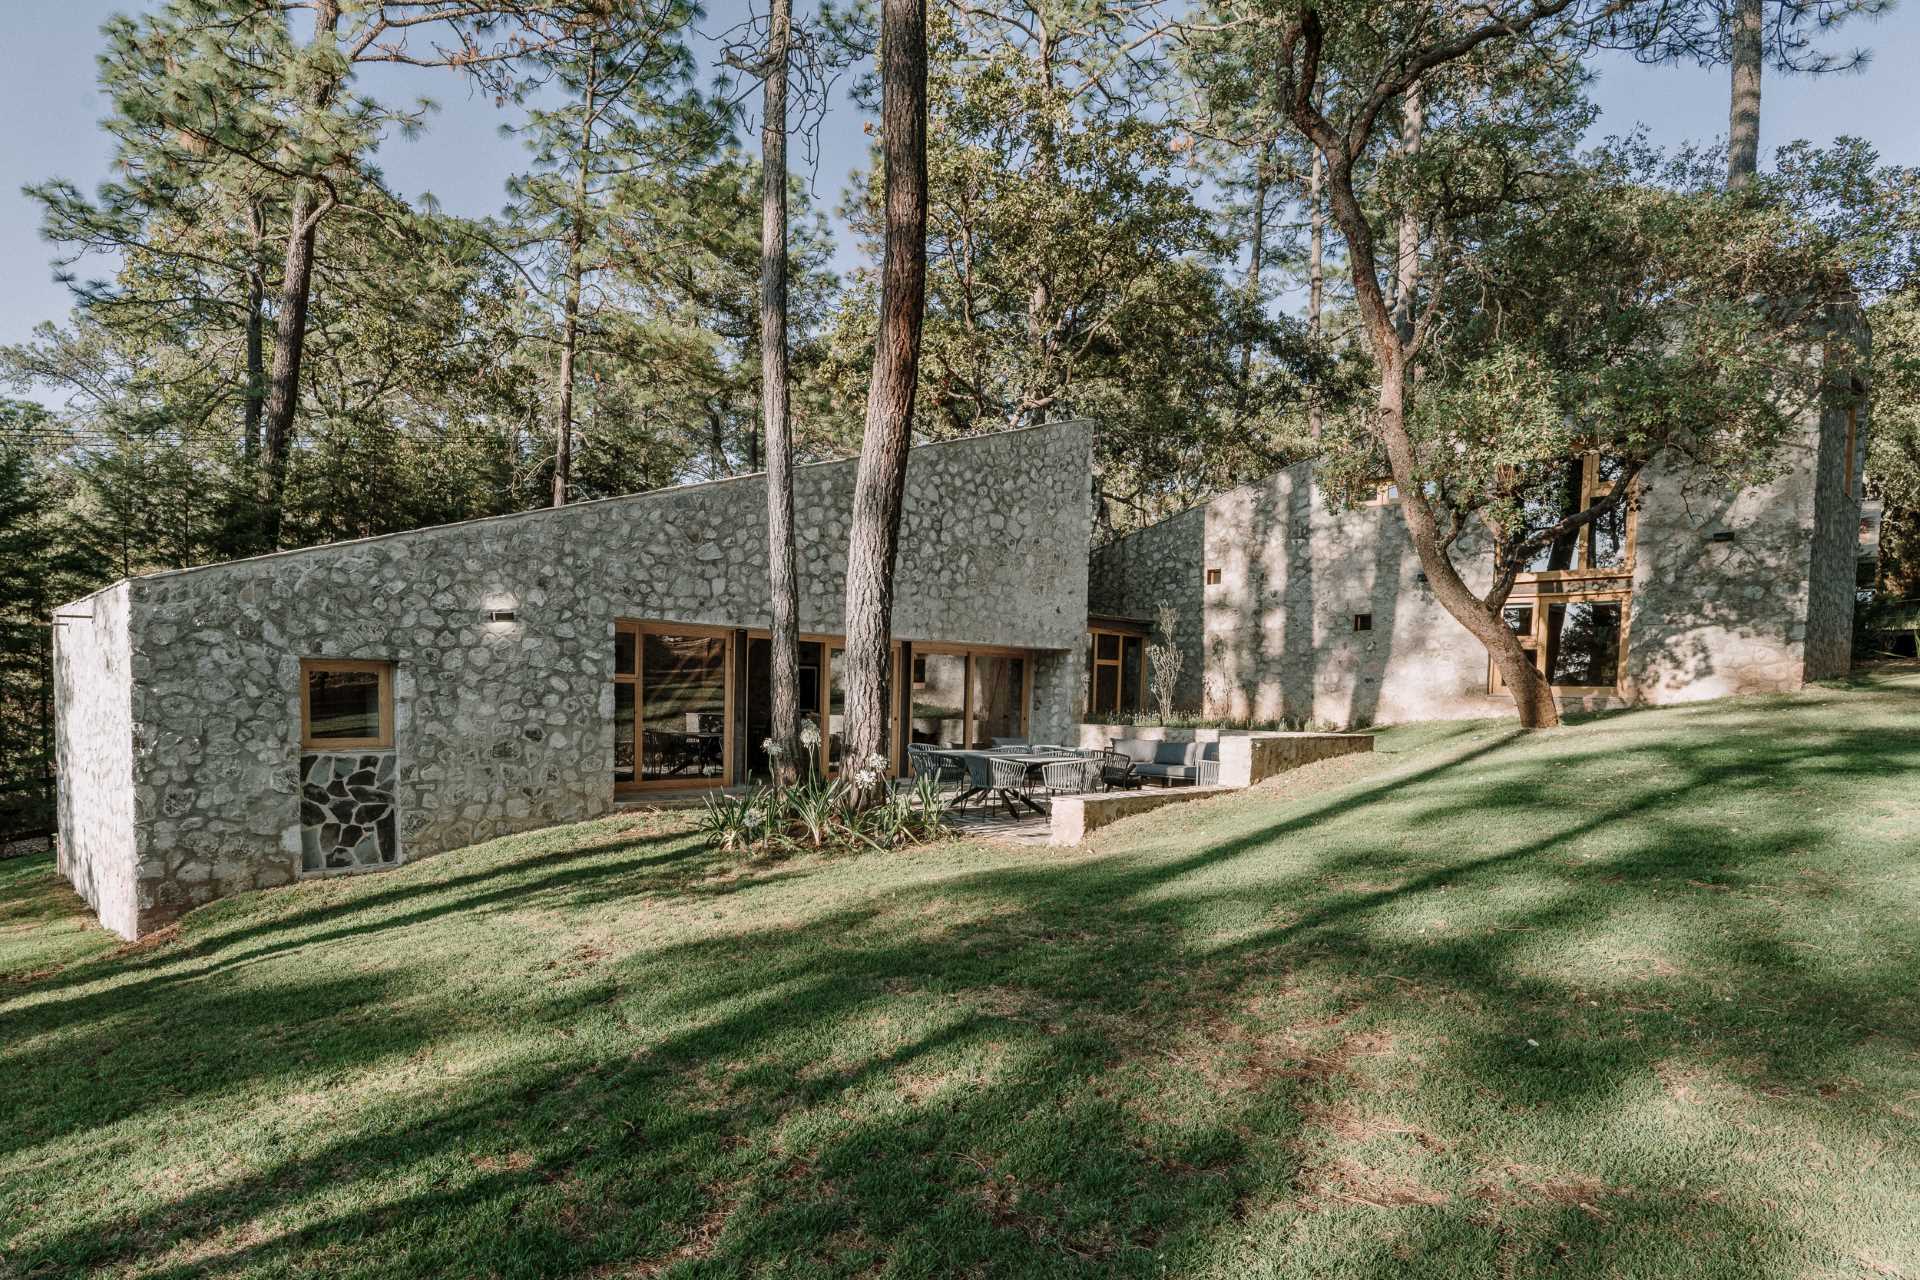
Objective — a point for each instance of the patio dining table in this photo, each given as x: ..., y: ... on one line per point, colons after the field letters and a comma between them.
x: 1031, y: 760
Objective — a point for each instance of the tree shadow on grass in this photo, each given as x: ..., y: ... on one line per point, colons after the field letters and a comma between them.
x: 1301, y: 1048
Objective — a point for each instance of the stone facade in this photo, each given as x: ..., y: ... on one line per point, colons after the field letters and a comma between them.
x: 94, y: 738
x: 199, y: 788
x: 1731, y: 593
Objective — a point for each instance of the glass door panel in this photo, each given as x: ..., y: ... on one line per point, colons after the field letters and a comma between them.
x: 683, y: 708
x: 999, y: 698
x: 622, y: 732
x: 759, y: 695
x: 1133, y: 655
x: 938, y: 708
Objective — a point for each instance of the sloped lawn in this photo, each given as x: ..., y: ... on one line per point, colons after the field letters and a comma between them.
x: 1633, y: 998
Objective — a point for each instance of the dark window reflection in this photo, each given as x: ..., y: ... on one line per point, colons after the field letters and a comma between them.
x: 1583, y: 643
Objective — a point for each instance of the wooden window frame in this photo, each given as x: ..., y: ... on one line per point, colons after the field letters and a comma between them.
x: 640, y: 629
x: 1095, y: 662
x: 1534, y: 642
x: 1213, y: 578
x: 382, y: 668
x: 970, y: 652
x: 1591, y: 491
x: 828, y: 642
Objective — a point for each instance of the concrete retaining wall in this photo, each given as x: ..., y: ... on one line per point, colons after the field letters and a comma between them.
x: 1246, y: 756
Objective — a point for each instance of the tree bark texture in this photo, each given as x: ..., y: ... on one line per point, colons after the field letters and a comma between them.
x: 290, y: 323
x: 1743, y: 118
x: 283, y: 382
x: 570, y: 304
x: 255, y: 402
x: 782, y: 574
x: 873, y: 540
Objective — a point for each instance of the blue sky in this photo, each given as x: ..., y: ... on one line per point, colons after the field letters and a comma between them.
x: 51, y: 104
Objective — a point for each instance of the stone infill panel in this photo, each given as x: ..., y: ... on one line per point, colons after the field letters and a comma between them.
x: 347, y: 813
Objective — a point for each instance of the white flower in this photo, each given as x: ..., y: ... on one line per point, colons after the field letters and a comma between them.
x: 877, y: 762
x: 810, y: 734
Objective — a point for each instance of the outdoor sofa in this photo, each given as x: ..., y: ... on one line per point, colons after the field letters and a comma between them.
x: 1172, y: 763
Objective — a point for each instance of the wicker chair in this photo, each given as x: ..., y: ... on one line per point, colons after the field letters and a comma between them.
x: 1071, y: 775
x: 992, y: 775
x: 1116, y: 770
x: 924, y: 762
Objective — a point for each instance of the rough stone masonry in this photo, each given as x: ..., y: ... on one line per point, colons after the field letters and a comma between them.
x: 178, y: 703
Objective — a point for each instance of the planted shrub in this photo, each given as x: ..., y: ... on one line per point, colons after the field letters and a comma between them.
x: 819, y: 813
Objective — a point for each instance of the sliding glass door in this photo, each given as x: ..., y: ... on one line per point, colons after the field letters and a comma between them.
x: 967, y: 697
x: 823, y: 700
x: 673, y: 706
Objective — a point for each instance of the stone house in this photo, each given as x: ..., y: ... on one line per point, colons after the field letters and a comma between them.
x: 1291, y: 608
x: 349, y: 707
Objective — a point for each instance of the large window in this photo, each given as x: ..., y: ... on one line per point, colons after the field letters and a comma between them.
x: 346, y: 706
x: 1601, y: 545
x: 963, y: 697
x: 938, y: 712
x: 1576, y: 641
x: 823, y: 699
x: 673, y: 705
x: 1116, y: 672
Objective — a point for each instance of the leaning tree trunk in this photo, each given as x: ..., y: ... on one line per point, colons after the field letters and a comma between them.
x: 880, y: 486
x: 1743, y: 118
x: 1531, y: 696
x: 782, y: 575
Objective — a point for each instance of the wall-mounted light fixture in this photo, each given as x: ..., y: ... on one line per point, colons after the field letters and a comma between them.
x: 1721, y: 535
x: 500, y: 615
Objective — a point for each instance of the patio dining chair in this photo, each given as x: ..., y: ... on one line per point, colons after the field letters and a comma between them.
x: 1070, y: 775
x: 1116, y: 770
x: 924, y: 762
x: 991, y: 775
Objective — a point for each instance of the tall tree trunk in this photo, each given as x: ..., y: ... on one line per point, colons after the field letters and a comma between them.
x: 256, y: 335
x: 1531, y: 696
x: 290, y: 323
x: 283, y: 382
x: 782, y: 575
x: 874, y: 537
x: 1316, y: 270
x: 1743, y: 119
x: 563, y: 401
x: 570, y: 304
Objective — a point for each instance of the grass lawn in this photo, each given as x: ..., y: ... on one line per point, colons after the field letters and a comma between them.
x: 1636, y: 997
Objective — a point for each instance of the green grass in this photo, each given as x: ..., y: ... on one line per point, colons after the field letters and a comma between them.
x: 1636, y: 997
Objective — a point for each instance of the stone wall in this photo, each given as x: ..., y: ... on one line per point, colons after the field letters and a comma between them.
x: 94, y: 741
x: 1278, y: 638
x: 505, y: 726
x: 1160, y: 565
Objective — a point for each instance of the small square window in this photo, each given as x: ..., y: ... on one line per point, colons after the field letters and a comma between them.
x: 1213, y: 577
x: 346, y: 705
x: 1363, y: 622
